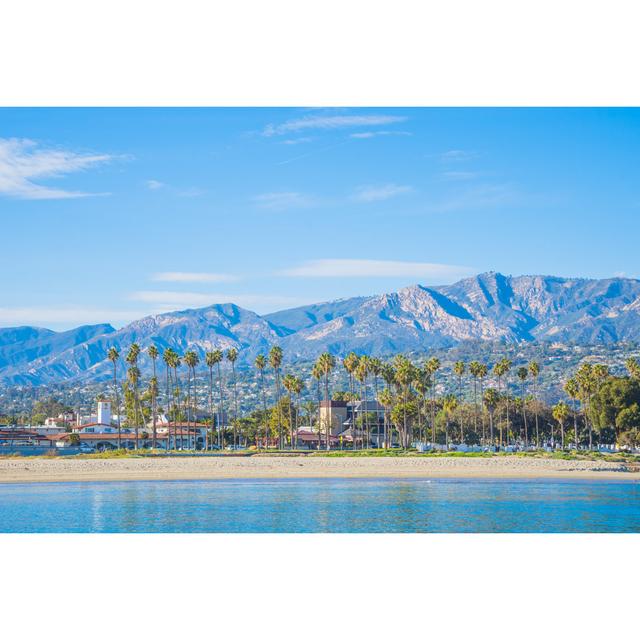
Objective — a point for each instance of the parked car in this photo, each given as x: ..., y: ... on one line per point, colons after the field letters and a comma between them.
x: 87, y: 448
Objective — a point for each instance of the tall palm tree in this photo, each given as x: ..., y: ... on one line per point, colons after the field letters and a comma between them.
x: 152, y: 351
x: 275, y: 360
x: 210, y: 361
x: 327, y: 362
x: 491, y: 399
x: 483, y: 372
x: 389, y: 376
x: 133, y: 377
x: 168, y: 356
x: 573, y: 391
x: 560, y: 414
x: 386, y: 400
x: 176, y: 361
x: 534, y: 370
x: 474, y: 370
x: 113, y: 356
x: 191, y: 361
x: 499, y: 369
x: 522, y: 374
x: 232, y: 356
x: 405, y: 375
x: 297, y: 388
x: 586, y: 379
x: 316, y: 374
x: 459, y: 369
x: 375, y: 368
x: 507, y: 369
x: 261, y: 364
x: 362, y: 373
x: 431, y: 369
x: 216, y: 359
x: 449, y: 405
x: 288, y: 383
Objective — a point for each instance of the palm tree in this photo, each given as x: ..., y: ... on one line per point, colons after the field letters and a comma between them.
x: 507, y: 369
x: 474, y: 370
x: 586, y: 380
x: 232, y: 356
x: 522, y: 374
x: 534, y: 370
x: 113, y: 356
x: 405, y: 375
x: 275, y: 360
x: 261, y: 364
x: 573, y: 391
x: 297, y: 388
x: 326, y: 363
x: 316, y: 374
x: 191, y: 360
x: 210, y: 361
x: 288, y: 383
x: 175, y: 364
x: 153, y: 387
x: 168, y: 357
x: 560, y: 414
x: 386, y: 400
x: 375, y: 367
x: 459, y: 369
x: 133, y: 377
x: 483, y: 372
x: 449, y: 405
x: 361, y: 374
x: 216, y: 359
x: 431, y: 369
x: 491, y: 399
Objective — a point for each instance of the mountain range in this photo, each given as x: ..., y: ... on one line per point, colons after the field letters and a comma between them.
x: 486, y: 307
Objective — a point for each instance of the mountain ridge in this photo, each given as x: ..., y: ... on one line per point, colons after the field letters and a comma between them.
x: 487, y: 307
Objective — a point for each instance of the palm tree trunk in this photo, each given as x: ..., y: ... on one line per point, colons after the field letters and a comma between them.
x: 154, y: 405
x: 220, y: 408
x: 326, y: 397
x: 115, y: 389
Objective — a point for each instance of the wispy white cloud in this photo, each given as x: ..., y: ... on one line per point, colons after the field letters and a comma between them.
x: 294, y: 141
x: 64, y: 315
x: 351, y: 268
x: 329, y: 122
x: 373, y: 134
x: 176, y: 300
x: 376, y: 193
x: 23, y: 165
x: 459, y: 175
x: 154, y: 184
x: 282, y: 200
x: 457, y: 155
x: 185, y: 276
x: 481, y: 197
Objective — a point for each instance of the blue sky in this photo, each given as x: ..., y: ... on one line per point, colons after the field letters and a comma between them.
x: 112, y: 214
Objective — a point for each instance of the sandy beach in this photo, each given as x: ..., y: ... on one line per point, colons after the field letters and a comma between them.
x: 67, y: 469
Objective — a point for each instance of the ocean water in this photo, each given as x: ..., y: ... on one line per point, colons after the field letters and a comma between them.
x: 322, y: 506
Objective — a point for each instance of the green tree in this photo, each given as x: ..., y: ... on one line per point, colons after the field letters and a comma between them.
x: 275, y: 360
x: 560, y: 415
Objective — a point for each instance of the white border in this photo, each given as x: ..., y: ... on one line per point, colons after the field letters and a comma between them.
x: 335, y: 52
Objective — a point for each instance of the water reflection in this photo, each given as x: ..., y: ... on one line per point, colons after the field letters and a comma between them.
x: 331, y: 505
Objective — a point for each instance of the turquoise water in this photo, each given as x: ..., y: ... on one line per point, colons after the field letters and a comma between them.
x: 344, y: 505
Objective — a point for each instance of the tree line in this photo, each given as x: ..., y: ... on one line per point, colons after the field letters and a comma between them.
x: 491, y: 404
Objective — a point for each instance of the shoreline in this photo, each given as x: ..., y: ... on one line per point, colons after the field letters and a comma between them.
x: 34, y: 470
